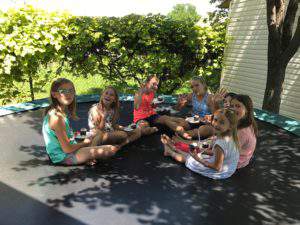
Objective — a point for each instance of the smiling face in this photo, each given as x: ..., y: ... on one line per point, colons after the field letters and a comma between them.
x: 108, y: 97
x: 197, y: 87
x: 239, y: 108
x: 153, y: 84
x: 65, y: 94
x: 227, y: 101
x: 220, y: 123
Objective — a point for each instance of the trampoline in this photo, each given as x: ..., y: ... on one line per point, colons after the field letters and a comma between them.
x: 141, y: 186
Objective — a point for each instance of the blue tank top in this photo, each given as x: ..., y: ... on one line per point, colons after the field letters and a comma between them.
x: 53, y: 146
x: 200, y: 108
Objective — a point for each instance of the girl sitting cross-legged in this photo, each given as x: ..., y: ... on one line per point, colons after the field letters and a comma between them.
x: 103, y: 118
x: 203, y: 105
x: 61, y: 145
x: 145, y: 114
x: 223, y: 161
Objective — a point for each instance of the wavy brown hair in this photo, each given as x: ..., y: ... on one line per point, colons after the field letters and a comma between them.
x: 54, y: 103
x: 248, y: 119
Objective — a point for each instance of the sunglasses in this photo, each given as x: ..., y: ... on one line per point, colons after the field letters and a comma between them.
x: 66, y: 91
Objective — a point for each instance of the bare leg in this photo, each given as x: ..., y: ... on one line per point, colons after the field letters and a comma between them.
x: 170, y: 150
x: 173, y: 125
x: 145, y: 128
x: 87, y: 154
x: 181, y: 122
x: 134, y: 135
x: 204, y: 131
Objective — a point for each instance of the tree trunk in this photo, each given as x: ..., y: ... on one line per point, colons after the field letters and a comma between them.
x: 274, y: 87
x: 31, y: 88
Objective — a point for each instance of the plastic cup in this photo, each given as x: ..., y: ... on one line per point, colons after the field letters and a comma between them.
x: 83, y: 131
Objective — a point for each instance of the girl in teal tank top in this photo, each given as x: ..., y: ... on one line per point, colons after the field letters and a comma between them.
x: 58, y: 135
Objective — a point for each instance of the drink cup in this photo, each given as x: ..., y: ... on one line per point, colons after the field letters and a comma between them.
x: 194, y: 146
x: 205, y: 145
x: 83, y: 131
x: 196, y: 118
x: 133, y: 126
x: 160, y: 98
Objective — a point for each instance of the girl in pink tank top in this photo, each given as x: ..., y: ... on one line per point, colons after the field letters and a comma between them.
x: 247, y: 128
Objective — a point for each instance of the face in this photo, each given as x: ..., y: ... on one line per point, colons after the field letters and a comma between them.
x: 108, y: 96
x: 153, y: 84
x: 65, y: 94
x: 220, y: 123
x: 197, y: 87
x: 227, y: 101
x: 239, y: 108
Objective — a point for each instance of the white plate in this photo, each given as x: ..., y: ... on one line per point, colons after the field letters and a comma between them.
x: 191, y: 120
x: 128, y: 129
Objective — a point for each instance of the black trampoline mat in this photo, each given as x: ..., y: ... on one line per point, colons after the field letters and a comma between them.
x: 141, y: 186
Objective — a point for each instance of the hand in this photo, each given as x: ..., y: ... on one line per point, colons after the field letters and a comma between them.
x: 182, y: 99
x: 219, y: 96
x: 87, y: 141
x: 142, y: 89
x: 194, y: 153
x: 103, y: 114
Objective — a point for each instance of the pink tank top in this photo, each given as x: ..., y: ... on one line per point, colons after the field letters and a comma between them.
x: 146, y: 109
x: 247, y: 141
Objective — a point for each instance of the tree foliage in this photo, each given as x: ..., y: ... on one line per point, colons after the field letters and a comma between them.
x: 184, y: 12
x: 28, y: 39
x: 123, y: 50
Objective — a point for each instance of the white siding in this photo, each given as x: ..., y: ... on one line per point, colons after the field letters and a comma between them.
x: 245, y: 62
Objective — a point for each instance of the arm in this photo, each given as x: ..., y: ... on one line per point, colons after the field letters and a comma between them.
x: 138, y: 98
x: 183, y: 101
x: 98, y: 118
x: 215, y: 101
x: 219, y: 159
x: 57, y: 124
x: 114, y: 122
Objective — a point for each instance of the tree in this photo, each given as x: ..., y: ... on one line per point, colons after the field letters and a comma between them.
x: 283, y: 45
x: 184, y: 12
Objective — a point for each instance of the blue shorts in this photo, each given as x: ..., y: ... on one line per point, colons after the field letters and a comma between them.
x: 151, y: 120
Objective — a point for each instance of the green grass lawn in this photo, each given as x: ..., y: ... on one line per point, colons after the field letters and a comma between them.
x: 91, y: 84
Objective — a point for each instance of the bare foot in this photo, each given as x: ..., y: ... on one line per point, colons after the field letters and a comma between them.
x: 179, y: 129
x: 167, y: 151
x: 149, y: 130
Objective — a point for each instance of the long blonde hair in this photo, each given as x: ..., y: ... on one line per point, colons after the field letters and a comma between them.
x: 54, y: 103
x: 233, y: 122
x: 115, y: 106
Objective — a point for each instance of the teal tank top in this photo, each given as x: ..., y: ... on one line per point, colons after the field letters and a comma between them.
x: 53, y: 146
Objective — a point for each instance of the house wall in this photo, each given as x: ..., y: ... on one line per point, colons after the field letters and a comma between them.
x: 245, y: 61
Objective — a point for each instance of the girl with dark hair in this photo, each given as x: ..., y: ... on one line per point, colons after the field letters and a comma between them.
x: 227, y: 99
x: 61, y: 145
x: 247, y: 128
